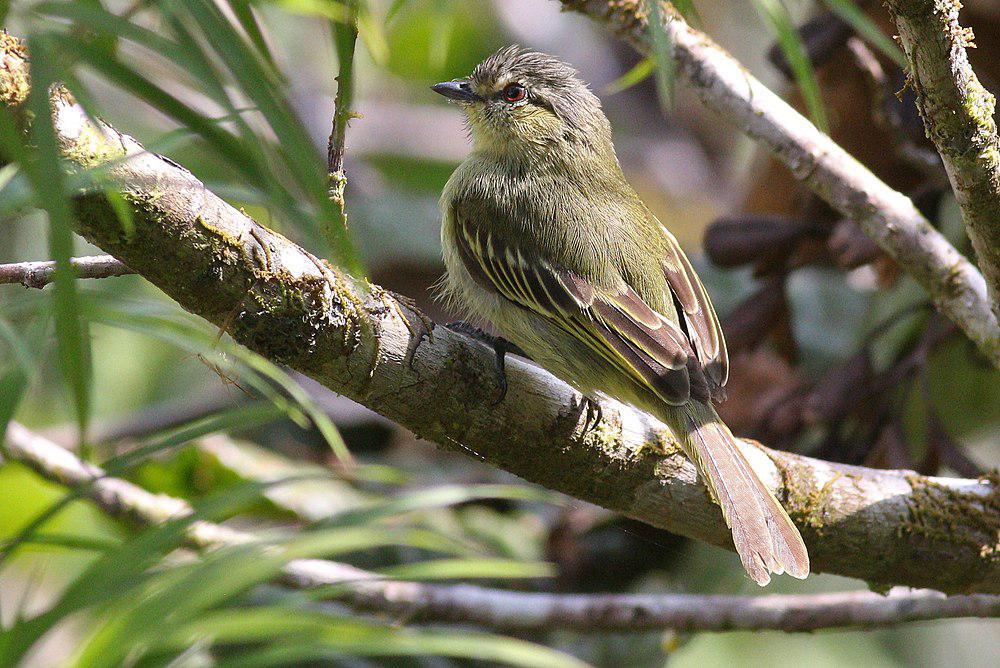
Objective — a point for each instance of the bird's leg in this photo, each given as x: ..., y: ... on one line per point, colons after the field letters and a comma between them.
x: 594, y: 414
x: 501, y: 347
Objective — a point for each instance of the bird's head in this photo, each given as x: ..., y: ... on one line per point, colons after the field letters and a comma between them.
x: 524, y: 103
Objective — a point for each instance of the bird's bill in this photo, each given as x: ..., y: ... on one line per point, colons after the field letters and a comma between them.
x: 460, y: 91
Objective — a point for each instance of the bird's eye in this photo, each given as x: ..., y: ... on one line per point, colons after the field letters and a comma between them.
x: 515, y: 92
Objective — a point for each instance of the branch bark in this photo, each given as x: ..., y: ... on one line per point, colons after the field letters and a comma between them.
x: 40, y: 274
x: 497, y: 609
x: 885, y: 527
x: 887, y: 216
x: 958, y: 114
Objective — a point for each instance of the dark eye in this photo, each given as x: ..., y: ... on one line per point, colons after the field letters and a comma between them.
x: 515, y: 92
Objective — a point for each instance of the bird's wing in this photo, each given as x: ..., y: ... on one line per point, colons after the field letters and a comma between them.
x: 703, y: 326
x: 617, y: 324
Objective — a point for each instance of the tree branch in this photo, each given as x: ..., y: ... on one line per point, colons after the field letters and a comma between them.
x: 889, y: 217
x: 40, y: 274
x: 958, y: 116
x: 497, y: 609
x: 885, y: 527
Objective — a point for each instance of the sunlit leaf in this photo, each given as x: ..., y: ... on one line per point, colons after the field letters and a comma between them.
x: 438, y: 497
x: 456, y: 569
x: 639, y: 73
x: 45, y: 170
x: 663, y: 53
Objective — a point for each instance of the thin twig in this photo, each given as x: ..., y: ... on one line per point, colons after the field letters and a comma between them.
x: 40, y: 274
x: 345, y: 35
x: 958, y: 114
x: 956, y: 287
x: 502, y: 610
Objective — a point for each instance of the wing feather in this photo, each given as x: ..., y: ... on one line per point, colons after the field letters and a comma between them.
x: 616, y: 324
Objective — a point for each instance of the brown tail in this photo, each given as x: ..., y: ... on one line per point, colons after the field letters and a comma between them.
x: 764, y: 535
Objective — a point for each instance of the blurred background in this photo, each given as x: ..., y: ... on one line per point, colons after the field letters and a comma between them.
x: 836, y: 354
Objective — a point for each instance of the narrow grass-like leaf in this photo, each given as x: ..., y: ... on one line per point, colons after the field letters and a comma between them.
x: 247, y: 416
x: 663, y: 53
x: 395, y: 8
x: 117, y: 573
x: 243, y: 11
x: 44, y: 169
x: 639, y: 73
x: 296, y: 148
x: 183, y: 593
x: 264, y: 375
x: 463, y: 569
x: 15, y: 377
x: 852, y: 14
x: 230, y: 148
x: 371, y: 33
x: 360, y: 639
x: 437, y: 497
x: 794, y: 51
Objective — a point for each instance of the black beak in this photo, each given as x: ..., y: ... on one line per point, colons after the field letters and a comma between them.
x: 460, y: 91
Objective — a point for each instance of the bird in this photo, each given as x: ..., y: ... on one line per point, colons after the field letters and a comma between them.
x: 544, y: 239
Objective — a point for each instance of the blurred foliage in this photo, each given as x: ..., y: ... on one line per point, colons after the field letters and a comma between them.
x: 240, y: 92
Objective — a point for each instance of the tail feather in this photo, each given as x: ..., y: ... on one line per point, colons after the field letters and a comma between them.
x: 763, y: 534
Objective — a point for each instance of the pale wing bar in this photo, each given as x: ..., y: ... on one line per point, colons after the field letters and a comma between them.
x: 620, y: 327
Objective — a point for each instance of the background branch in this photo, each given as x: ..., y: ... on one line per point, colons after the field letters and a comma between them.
x: 502, y: 610
x: 277, y: 299
x: 887, y: 216
x: 40, y: 274
x: 958, y: 115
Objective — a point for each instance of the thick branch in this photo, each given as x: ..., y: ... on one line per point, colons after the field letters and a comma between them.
x: 958, y: 115
x: 890, y: 218
x: 40, y: 274
x: 498, y: 609
x: 886, y: 527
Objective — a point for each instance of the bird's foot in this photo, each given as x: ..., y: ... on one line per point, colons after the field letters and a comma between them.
x: 501, y: 347
x: 594, y: 415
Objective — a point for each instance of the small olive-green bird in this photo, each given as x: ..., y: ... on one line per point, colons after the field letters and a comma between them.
x: 545, y: 239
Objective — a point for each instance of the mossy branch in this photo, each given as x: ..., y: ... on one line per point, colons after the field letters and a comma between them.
x: 958, y: 115
x: 885, y: 527
x: 955, y: 286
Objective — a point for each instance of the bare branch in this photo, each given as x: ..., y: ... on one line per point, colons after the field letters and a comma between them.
x: 40, y: 274
x: 958, y: 115
x: 502, y: 610
x: 887, y: 216
x: 277, y: 299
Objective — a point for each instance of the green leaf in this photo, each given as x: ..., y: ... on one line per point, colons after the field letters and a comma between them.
x: 296, y: 148
x: 262, y: 374
x: 247, y: 416
x: 663, y: 53
x: 117, y: 574
x: 851, y: 13
x: 639, y: 73
x: 437, y: 497
x: 243, y: 11
x: 359, y: 639
x: 794, y: 51
x: 16, y: 377
x: 45, y: 171
x: 328, y: 9
x: 454, y: 569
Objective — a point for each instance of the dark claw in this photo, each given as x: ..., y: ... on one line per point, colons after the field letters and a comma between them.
x: 594, y: 415
x: 501, y: 347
